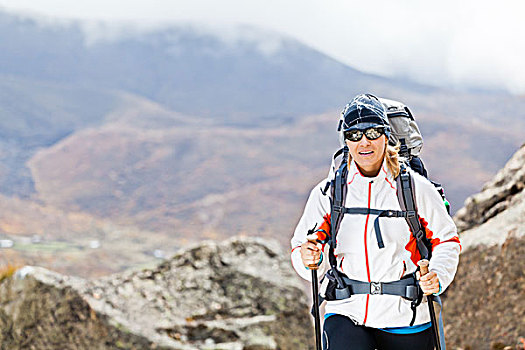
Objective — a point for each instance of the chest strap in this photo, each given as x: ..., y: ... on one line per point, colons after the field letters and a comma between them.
x: 380, y: 214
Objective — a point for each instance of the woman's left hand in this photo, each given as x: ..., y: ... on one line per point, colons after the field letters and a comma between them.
x: 429, y: 283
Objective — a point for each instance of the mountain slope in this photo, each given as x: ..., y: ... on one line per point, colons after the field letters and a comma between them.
x: 217, y: 181
x: 36, y: 114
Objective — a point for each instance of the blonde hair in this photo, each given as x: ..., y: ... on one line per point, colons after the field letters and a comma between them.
x: 392, y: 159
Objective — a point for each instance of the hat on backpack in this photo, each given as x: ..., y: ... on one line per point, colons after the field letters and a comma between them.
x: 363, y: 112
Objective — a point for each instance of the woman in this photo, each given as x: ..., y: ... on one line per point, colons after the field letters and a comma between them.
x: 376, y: 320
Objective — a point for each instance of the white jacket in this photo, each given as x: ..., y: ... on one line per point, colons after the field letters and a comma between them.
x: 358, y: 254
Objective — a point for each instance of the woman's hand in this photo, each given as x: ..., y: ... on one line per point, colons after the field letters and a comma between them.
x: 310, y: 255
x: 429, y: 283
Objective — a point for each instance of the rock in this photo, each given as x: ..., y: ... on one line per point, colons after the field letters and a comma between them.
x: 504, y: 191
x: 41, y: 310
x: 483, y: 307
x: 240, y: 295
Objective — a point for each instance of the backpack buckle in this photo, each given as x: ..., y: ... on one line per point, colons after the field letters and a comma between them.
x: 342, y: 293
x: 338, y: 209
x: 376, y: 288
x: 411, y: 292
x: 420, y: 235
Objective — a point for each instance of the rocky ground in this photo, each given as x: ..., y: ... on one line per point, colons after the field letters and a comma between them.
x: 236, y: 295
x: 485, y: 306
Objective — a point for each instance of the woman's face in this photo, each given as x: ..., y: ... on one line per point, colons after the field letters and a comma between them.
x: 368, y: 154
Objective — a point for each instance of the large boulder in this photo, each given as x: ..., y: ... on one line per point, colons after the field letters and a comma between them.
x: 502, y: 195
x: 484, y: 307
x: 240, y: 294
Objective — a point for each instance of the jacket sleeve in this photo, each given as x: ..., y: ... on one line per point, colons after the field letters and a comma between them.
x: 316, y: 211
x: 440, y: 229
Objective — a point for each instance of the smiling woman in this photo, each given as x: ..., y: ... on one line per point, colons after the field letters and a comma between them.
x: 369, y: 151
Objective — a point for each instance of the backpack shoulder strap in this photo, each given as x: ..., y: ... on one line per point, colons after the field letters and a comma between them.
x: 333, y: 169
x: 339, y: 189
x: 407, y: 201
x: 337, y: 200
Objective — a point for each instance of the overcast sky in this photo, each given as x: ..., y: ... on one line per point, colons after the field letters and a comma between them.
x: 465, y: 43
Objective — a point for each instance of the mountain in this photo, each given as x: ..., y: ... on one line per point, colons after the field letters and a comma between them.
x: 484, y: 306
x: 56, y: 79
x: 162, y: 138
x: 240, y: 294
x: 186, y: 69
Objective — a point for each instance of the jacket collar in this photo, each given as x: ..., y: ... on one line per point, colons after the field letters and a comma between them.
x: 354, y: 174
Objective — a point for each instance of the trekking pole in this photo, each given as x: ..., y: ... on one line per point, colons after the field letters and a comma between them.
x: 315, y: 291
x: 423, y: 268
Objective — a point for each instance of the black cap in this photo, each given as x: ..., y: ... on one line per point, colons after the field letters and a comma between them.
x: 364, y: 111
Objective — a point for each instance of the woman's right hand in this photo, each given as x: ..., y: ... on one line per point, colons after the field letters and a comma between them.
x: 311, y: 254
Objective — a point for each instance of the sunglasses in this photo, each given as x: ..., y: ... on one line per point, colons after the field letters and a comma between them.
x: 373, y: 133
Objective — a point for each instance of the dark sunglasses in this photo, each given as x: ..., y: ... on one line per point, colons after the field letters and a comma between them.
x: 373, y: 133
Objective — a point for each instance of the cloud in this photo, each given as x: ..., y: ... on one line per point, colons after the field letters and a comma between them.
x: 460, y: 43
x: 464, y: 44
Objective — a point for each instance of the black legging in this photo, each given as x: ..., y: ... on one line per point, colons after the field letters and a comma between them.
x: 340, y: 333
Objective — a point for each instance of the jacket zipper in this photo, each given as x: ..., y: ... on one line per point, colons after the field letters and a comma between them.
x: 366, y: 249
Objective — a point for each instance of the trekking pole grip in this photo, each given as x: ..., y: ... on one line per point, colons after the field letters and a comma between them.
x: 423, y: 269
x: 423, y: 266
x: 312, y: 238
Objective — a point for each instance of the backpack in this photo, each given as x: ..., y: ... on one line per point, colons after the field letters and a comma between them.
x: 406, y: 131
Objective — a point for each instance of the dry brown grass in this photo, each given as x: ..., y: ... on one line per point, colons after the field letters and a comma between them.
x: 8, y: 270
